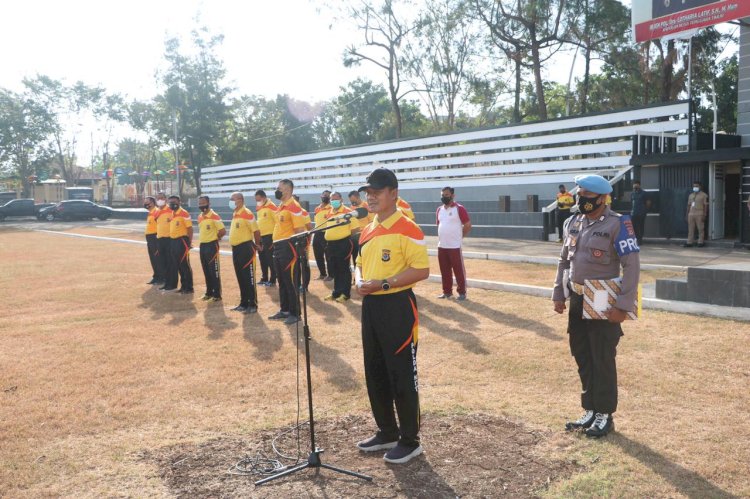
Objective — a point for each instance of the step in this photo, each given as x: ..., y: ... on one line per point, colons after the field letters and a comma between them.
x: 672, y: 289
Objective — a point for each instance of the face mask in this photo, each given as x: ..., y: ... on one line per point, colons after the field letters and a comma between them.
x: 336, y: 203
x: 325, y: 199
x: 147, y: 206
x: 173, y: 206
x: 203, y: 208
x: 636, y: 188
x: 355, y: 203
x: 160, y: 202
x: 258, y: 204
x: 446, y: 200
x: 278, y: 194
x: 232, y: 205
x: 696, y: 189
x: 587, y: 204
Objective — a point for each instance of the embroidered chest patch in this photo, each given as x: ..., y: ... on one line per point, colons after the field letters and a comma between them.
x: 386, y: 257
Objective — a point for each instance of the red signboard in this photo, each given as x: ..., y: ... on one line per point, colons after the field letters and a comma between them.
x: 658, y: 18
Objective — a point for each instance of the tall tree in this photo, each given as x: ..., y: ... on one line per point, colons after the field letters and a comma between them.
x: 385, y: 33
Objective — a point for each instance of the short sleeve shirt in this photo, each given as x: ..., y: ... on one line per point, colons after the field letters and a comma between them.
x: 451, y: 220
x: 163, y: 217
x: 178, y: 226
x: 389, y: 248
x: 266, y: 218
x: 209, y: 225
x: 340, y: 231
x: 243, y: 227
x: 151, y: 221
x: 289, y: 216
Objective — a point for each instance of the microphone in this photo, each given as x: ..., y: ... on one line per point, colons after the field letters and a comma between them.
x: 358, y: 213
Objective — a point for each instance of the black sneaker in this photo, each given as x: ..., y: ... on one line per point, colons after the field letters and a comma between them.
x: 376, y: 443
x: 279, y: 316
x: 602, y: 425
x: 402, y: 454
x: 687, y: 245
x: 581, y: 423
x: 262, y: 283
x: 186, y: 291
x: 239, y: 308
x: 251, y: 310
x: 270, y: 284
x: 291, y: 319
x: 153, y: 281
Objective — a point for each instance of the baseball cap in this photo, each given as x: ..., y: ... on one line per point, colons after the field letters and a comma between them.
x: 380, y: 178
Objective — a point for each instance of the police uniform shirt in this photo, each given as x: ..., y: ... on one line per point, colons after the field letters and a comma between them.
x: 243, y: 226
x: 209, y: 225
x: 343, y: 230
x: 389, y: 248
x: 565, y: 200
x: 405, y: 208
x: 289, y: 216
x: 151, y: 221
x: 596, y: 249
x: 163, y: 218
x: 697, y: 202
x: 320, y: 214
x: 178, y: 225
x: 266, y: 217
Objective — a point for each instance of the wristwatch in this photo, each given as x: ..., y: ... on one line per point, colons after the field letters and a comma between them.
x: 385, y: 285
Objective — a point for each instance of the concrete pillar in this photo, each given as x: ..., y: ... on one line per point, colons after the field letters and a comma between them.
x: 743, y: 89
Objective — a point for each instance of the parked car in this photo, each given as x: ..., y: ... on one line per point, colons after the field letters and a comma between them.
x: 21, y: 208
x: 75, y: 209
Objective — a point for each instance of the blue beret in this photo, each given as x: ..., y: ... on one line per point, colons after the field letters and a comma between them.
x: 594, y: 183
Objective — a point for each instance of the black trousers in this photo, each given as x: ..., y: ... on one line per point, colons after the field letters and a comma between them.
x: 266, y: 259
x: 243, y: 257
x: 181, y: 262
x: 389, y: 341
x: 639, y: 225
x: 319, y: 250
x: 165, y: 259
x: 561, y: 217
x: 355, y: 247
x: 340, y: 252
x: 288, y: 273
x: 593, y: 344
x: 211, y: 268
x: 305, y: 268
x: 152, y: 244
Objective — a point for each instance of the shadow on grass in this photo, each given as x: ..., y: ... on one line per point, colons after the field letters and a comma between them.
x: 687, y: 482
x: 512, y: 320
x: 452, y: 324
x: 267, y: 341
x: 179, y: 307
x: 216, y: 320
x: 435, y: 485
x: 330, y: 311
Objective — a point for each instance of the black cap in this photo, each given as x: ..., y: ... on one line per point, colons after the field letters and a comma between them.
x: 380, y: 178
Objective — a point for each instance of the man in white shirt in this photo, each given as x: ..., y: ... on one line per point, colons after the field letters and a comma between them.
x: 453, y: 225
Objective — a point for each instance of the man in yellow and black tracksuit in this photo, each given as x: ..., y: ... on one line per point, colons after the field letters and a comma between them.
x: 244, y: 236
x: 163, y: 216
x: 405, y: 208
x: 181, y: 234
x: 319, y: 239
x: 152, y: 245
x: 266, y: 214
x: 565, y: 202
x: 211, y: 231
x: 356, y: 200
x: 392, y: 259
x: 340, y: 248
x: 290, y: 220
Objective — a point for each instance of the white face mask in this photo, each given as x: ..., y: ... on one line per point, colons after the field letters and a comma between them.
x: 232, y: 205
x: 160, y: 202
x: 259, y: 203
x: 696, y: 189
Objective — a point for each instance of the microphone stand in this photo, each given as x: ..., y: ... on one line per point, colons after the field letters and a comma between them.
x: 313, y: 460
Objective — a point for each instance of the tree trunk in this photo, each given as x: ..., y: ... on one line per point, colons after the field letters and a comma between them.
x: 538, y: 83
x: 586, y: 79
x: 667, y: 70
x: 517, y: 96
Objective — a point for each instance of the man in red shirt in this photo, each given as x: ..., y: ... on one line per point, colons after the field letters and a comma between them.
x: 453, y: 225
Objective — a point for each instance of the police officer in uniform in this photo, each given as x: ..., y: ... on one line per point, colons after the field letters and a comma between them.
x: 152, y: 243
x: 597, y: 243
x: 696, y: 214
x: 340, y: 248
x: 211, y: 231
x: 181, y: 235
x: 319, y: 239
x: 290, y: 220
x: 565, y: 202
x: 392, y: 259
x: 244, y: 237
x: 266, y: 214
x: 163, y: 242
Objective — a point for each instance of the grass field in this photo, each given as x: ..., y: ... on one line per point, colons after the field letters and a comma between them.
x: 97, y: 370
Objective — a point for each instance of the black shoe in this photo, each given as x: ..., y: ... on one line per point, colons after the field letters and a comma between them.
x: 321, y: 277
x: 376, y: 443
x: 153, y: 281
x: 291, y: 319
x: 239, y: 308
x: 262, y: 282
x: 602, y: 425
x: 168, y: 290
x: 186, y: 291
x: 701, y: 245
x: 581, y: 423
x: 402, y: 454
x: 162, y: 288
x: 687, y: 245
x: 251, y: 310
x: 279, y: 316
x: 270, y: 284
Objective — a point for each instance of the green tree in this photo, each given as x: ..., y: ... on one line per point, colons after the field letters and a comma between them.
x: 357, y: 115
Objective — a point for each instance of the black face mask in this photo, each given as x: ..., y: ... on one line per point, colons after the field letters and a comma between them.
x: 203, y: 208
x: 446, y: 200
x: 147, y: 206
x: 325, y: 199
x: 278, y: 194
x: 173, y: 206
x: 587, y: 204
x: 636, y: 188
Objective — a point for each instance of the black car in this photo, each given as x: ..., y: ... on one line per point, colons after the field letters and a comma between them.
x: 21, y: 208
x: 75, y: 209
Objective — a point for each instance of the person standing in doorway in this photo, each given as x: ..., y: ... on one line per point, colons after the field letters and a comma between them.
x: 638, y: 211
x: 565, y: 202
x: 454, y: 224
x: 697, y: 211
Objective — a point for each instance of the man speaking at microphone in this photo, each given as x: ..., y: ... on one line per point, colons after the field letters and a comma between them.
x: 392, y: 259
x: 340, y: 247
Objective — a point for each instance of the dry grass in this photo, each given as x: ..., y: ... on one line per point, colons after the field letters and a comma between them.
x: 97, y: 367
